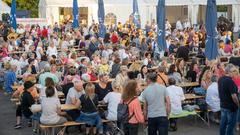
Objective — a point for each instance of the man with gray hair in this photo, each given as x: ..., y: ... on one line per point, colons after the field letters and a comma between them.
x: 212, y: 99
x: 73, y: 96
x: 229, y: 103
x: 157, y: 106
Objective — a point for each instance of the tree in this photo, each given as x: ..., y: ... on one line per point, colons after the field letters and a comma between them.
x: 31, y: 5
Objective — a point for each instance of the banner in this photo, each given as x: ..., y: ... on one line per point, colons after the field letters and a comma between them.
x: 28, y: 22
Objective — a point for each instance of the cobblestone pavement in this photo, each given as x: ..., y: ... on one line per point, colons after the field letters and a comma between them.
x: 186, y: 126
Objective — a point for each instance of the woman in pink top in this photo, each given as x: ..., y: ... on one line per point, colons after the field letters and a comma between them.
x: 4, y: 51
x: 135, y: 110
x: 228, y: 47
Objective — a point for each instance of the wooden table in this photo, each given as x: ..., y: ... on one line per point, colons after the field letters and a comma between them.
x: 65, y: 107
x: 60, y: 94
x: 97, y: 81
x: 192, y: 96
x: 188, y: 84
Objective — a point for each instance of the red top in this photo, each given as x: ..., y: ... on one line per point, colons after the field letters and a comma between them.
x: 92, y: 76
x: 44, y: 32
x: 39, y: 32
x: 114, y: 39
x: 228, y: 49
x: 4, y: 52
x: 237, y: 82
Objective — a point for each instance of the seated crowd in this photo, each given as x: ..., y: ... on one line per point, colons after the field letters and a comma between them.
x: 125, y: 66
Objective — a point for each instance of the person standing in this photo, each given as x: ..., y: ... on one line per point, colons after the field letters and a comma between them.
x: 10, y: 78
x: 129, y: 96
x: 157, y: 106
x: 229, y: 102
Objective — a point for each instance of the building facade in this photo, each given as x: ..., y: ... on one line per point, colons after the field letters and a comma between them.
x: 120, y: 10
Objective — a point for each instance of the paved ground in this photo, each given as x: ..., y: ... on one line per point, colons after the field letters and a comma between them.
x: 187, y: 126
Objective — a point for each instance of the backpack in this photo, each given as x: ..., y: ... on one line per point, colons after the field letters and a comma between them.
x: 123, y: 112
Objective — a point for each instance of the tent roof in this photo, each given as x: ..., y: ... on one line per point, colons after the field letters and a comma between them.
x: 68, y: 3
x: 4, y: 7
x: 65, y: 3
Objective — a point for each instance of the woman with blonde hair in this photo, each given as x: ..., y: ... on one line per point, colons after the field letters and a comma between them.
x: 113, y: 99
x: 205, y: 82
x: 206, y: 79
x: 89, y: 113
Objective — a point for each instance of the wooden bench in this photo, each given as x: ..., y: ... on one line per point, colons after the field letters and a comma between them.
x: 205, y: 119
x: 66, y: 124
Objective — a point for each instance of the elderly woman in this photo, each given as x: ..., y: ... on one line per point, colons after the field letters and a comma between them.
x: 122, y: 75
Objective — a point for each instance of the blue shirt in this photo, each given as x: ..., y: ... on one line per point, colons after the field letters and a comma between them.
x: 9, y: 78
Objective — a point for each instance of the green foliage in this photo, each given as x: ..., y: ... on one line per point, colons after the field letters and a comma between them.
x: 222, y: 8
x: 31, y: 5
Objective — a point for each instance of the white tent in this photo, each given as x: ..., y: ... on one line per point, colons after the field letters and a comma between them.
x: 4, y: 8
x: 194, y: 10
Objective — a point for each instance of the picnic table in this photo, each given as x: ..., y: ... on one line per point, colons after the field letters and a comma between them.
x: 97, y: 81
x: 192, y: 96
x: 188, y: 84
x: 65, y: 107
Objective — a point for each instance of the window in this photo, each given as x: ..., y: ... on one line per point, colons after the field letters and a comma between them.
x: 110, y: 18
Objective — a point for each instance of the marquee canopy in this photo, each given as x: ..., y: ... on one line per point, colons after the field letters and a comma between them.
x: 68, y: 3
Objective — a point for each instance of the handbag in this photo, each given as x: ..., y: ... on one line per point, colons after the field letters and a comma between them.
x: 36, y: 108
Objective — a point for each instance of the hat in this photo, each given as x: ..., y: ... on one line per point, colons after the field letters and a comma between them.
x: 28, y: 85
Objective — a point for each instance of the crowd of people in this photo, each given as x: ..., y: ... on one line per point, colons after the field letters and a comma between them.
x: 126, y: 66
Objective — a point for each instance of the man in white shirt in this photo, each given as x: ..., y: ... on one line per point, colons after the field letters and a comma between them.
x: 73, y: 96
x: 176, y: 96
x: 212, y: 99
